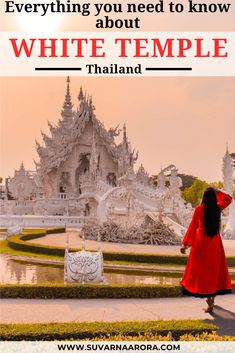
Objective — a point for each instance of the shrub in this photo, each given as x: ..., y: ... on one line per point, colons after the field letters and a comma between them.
x: 56, y: 291
x: 52, y: 291
x: 103, y: 330
x: 17, y: 242
x: 206, y: 336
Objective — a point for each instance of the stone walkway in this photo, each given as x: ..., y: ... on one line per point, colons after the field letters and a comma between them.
x: 88, y: 310
x: 75, y: 242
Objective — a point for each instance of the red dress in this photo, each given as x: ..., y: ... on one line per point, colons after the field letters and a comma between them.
x: 206, y: 272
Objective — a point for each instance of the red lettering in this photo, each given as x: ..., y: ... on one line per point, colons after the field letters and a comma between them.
x: 138, y: 48
x: 199, y: 49
x: 184, y: 44
x: 79, y: 42
x: 123, y: 42
x: 51, y: 47
x: 157, y: 48
x: 95, y: 47
x: 64, y: 48
x: 23, y: 46
x: 218, y: 46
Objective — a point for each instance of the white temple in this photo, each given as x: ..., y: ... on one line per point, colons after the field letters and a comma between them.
x: 83, y: 174
x: 227, y: 169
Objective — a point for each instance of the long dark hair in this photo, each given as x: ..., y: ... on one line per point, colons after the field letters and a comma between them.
x: 212, y: 214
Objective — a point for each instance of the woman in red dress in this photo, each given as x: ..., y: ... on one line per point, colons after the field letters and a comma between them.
x: 206, y: 274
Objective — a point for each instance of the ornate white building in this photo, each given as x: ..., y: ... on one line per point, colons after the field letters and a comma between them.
x: 83, y: 173
x: 228, y: 178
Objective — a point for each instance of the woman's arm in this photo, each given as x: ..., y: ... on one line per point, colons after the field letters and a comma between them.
x: 223, y: 200
x: 192, y: 229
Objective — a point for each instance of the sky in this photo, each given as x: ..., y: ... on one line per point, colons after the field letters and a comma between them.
x: 184, y: 121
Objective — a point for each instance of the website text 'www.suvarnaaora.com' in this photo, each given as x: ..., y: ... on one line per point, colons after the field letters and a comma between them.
x: 120, y: 347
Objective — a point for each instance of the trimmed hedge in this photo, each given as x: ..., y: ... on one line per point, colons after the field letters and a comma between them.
x: 206, y: 337
x: 102, y: 330
x: 154, y: 258
x: 145, y: 258
x: 38, y: 233
x: 29, y: 236
x: 47, y: 230
x: 55, y: 230
x: 17, y: 242
x: 70, y: 291
x: 56, y: 291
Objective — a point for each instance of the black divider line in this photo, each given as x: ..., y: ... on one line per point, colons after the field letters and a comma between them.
x: 168, y: 68
x: 58, y: 68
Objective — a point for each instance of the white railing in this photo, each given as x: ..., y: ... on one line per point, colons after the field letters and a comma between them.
x: 59, y: 196
x: 42, y: 221
x: 178, y: 228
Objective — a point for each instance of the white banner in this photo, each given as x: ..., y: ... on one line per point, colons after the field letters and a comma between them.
x: 118, y: 54
x: 116, y: 346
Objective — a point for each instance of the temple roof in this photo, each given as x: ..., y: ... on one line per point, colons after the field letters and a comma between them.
x: 65, y: 135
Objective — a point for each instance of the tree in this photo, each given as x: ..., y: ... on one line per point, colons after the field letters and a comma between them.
x: 217, y: 185
x: 194, y: 193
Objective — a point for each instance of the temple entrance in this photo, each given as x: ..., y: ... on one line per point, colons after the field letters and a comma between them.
x: 62, y: 189
x: 65, y: 183
x: 111, y: 179
x: 82, y: 169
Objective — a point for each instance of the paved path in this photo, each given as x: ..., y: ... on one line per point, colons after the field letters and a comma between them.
x: 82, y: 310
x: 75, y: 242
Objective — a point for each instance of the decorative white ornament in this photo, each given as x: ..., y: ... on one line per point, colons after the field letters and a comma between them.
x: 227, y: 169
x: 83, y: 266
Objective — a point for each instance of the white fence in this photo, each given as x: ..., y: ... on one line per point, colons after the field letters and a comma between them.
x: 42, y: 221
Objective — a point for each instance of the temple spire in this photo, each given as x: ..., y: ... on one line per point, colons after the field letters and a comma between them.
x: 22, y: 166
x: 124, y: 134
x: 81, y: 95
x: 227, y: 172
x: 227, y: 152
x: 67, y: 106
x: 91, y: 105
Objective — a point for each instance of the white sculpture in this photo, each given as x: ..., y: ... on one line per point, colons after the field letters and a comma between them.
x: 228, y: 173
x: 230, y: 226
x: 227, y: 169
x: 22, y: 186
x: 13, y: 230
x: 161, y: 181
x: 83, y: 266
x: 142, y: 176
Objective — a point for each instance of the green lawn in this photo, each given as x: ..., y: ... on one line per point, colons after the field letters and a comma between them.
x: 5, y: 249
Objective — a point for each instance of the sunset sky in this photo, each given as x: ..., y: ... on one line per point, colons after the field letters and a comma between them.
x: 184, y: 121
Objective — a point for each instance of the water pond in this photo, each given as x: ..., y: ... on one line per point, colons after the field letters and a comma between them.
x: 21, y: 272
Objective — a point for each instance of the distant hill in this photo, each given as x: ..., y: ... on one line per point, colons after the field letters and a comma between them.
x: 187, y: 180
